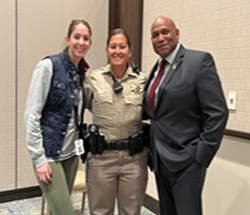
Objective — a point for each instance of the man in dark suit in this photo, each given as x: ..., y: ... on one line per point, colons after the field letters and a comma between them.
x: 185, y: 102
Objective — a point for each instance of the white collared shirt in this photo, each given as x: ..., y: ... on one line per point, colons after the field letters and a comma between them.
x: 170, y: 58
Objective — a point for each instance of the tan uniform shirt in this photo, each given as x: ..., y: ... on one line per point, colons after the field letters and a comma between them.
x: 117, y: 115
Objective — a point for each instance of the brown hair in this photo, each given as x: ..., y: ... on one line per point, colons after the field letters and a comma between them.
x: 76, y: 22
x: 116, y: 32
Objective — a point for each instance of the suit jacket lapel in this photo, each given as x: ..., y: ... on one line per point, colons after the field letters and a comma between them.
x: 174, y: 67
x: 151, y: 75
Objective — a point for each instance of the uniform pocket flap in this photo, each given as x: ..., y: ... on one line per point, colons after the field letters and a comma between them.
x: 135, y: 100
x: 103, y: 98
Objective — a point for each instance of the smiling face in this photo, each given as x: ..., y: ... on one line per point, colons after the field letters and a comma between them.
x: 118, y: 51
x: 165, y: 36
x: 78, y: 43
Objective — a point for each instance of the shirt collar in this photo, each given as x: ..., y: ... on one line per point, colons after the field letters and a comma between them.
x: 83, y: 65
x: 170, y: 58
x: 129, y: 71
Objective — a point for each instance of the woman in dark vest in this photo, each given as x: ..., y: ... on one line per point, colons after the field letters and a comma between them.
x: 53, y: 118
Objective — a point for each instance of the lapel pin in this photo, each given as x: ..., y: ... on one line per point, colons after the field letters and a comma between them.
x: 174, y: 66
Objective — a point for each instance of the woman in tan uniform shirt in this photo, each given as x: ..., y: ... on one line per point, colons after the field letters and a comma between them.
x: 114, y: 95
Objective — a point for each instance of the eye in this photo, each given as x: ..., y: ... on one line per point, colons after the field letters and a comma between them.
x: 154, y: 35
x: 165, y: 31
x: 122, y: 46
x: 112, y: 47
x: 86, y: 38
x: 77, y: 37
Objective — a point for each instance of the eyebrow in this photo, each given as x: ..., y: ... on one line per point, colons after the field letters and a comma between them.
x: 118, y: 43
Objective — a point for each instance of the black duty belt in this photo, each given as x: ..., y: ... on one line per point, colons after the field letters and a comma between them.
x: 134, y: 143
x: 117, y: 145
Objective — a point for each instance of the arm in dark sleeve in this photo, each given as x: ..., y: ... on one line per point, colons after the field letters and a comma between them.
x: 213, y: 106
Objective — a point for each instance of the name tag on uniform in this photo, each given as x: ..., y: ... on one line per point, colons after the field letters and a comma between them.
x: 79, y: 146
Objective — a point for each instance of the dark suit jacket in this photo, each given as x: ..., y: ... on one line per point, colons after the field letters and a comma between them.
x: 191, y: 114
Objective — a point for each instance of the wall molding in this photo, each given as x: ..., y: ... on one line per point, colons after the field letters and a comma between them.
x: 239, y: 134
x: 18, y: 194
x: 25, y: 193
x: 152, y: 204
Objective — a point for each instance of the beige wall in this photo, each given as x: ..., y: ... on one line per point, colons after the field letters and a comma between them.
x: 221, y: 27
x: 226, y: 190
x: 7, y: 92
x: 41, y: 28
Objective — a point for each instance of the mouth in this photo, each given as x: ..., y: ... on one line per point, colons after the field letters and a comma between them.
x: 80, y: 49
x: 162, y: 46
x: 117, y: 58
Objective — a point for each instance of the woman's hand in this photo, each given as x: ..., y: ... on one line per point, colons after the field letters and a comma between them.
x: 44, y: 173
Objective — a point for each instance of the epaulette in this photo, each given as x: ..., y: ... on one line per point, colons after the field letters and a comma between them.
x: 135, y: 68
x: 93, y: 71
x: 88, y: 76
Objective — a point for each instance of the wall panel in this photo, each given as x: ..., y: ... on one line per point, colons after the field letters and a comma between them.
x: 7, y: 94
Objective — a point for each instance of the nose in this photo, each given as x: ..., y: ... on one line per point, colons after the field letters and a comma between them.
x: 161, y: 38
x: 117, y: 50
x: 81, y: 40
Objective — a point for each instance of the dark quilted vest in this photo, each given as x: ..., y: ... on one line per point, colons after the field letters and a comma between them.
x: 57, y: 111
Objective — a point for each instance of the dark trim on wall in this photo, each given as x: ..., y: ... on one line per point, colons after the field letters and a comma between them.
x: 24, y: 193
x: 238, y: 134
x: 16, y: 93
x: 114, y: 17
x: 152, y: 204
x: 128, y: 15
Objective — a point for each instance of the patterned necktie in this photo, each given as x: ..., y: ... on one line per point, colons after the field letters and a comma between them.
x: 156, y: 82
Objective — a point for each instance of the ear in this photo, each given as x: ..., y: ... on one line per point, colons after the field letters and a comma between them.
x: 178, y: 33
x: 90, y: 43
x: 67, y: 40
x: 130, y: 52
x: 107, y: 52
